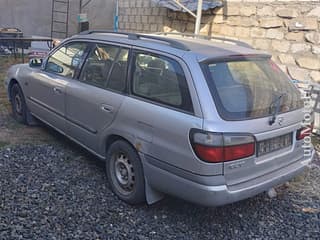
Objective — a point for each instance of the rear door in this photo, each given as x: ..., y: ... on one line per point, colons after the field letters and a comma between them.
x: 93, y: 100
x: 47, y: 87
x: 162, y: 109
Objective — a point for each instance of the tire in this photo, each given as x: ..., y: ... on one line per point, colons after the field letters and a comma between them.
x: 18, y: 104
x: 125, y: 172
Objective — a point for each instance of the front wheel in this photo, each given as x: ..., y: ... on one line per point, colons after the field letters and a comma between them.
x: 19, y: 107
x: 125, y: 172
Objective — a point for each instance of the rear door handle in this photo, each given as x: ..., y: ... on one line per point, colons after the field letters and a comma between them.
x: 57, y: 90
x: 107, y: 108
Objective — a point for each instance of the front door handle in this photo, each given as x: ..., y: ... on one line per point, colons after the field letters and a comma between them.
x: 107, y: 108
x: 57, y: 90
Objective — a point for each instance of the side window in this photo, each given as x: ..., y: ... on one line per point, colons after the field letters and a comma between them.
x: 66, y: 60
x: 162, y: 80
x: 118, y: 76
x: 98, y: 65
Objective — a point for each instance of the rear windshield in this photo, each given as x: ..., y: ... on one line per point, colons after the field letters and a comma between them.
x: 250, y: 88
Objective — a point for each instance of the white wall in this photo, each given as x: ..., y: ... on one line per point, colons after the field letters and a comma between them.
x: 33, y: 17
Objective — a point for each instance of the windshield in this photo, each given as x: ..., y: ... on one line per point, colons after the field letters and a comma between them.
x: 249, y: 88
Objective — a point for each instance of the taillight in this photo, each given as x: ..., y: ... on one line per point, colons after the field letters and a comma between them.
x: 221, y: 147
x: 304, y: 132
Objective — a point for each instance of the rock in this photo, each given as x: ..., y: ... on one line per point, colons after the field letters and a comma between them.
x: 313, y: 37
x: 316, y: 49
x: 286, y: 13
x: 280, y: 46
x: 314, y: 12
x: 242, y: 32
x: 272, y: 193
x: 286, y: 59
x: 258, y: 32
x: 234, y: 21
x: 263, y: 44
x: 300, y: 47
x: 248, y: 11
x: 295, y: 36
x: 303, y: 24
x: 248, y: 22
x: 266, y: 11
x: 309, y: 63
x: 232, y: 10
x: 298, y: 73
x: 270, y: 23
x: 227, y: 30
x: 315, y: 76
x: 274, y: 34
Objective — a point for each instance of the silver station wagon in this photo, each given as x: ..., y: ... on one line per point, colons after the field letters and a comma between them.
x: 211, y: 121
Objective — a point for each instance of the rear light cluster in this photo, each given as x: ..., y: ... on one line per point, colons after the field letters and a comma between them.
x: 221, y: 147
x: 304, y: 132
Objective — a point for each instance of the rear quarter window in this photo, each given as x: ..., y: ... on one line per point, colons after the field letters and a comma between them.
x: 161, y: 80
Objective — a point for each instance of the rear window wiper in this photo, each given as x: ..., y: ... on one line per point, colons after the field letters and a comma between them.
x: 277, y: 101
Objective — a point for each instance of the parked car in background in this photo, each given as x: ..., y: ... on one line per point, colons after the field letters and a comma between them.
x: 209, y: 121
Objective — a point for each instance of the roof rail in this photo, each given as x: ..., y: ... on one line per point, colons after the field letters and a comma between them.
x: 137, y: 36
x: 240, y: 43
x: 130, y: 35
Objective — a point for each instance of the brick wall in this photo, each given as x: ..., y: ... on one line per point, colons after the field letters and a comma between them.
x: 289, y: 30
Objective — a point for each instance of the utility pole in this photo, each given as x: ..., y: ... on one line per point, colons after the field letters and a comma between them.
x: 198, y: 17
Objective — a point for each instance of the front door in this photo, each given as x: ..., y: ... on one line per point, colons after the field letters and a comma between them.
x: 47, y: 87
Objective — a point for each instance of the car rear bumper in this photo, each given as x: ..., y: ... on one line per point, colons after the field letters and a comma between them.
x: 216, y: 195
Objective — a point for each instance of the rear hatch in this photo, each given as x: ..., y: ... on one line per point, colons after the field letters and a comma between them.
x: 254, y: 97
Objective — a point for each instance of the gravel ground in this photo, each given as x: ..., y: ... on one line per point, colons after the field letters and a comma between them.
x: 58, y: 191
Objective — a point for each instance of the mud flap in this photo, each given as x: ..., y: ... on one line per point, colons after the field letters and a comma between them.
x: 152, y: 195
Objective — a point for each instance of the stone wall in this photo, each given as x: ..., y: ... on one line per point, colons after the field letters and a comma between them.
x: 289, y: 30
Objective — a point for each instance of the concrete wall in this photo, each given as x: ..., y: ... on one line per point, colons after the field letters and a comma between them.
x: 33, y: 17
x: 289, y: 30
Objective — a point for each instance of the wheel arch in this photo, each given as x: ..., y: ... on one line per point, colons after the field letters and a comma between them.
x: 115, y: 137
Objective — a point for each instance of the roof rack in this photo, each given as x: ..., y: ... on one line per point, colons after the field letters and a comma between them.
x: 223, y: 39
x: 136, y: 36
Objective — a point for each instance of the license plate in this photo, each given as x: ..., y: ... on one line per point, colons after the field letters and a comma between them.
x: 274, y: 144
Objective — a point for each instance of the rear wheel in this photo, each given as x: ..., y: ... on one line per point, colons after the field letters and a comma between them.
x: 125, y: 173
x: 19, y: 107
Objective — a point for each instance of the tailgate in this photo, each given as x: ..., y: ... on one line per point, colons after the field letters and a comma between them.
x: 275, y: 147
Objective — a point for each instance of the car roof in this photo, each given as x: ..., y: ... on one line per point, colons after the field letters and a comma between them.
x: 177, y: 44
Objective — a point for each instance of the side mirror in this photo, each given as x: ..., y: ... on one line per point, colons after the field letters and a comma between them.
x: 55, y: 68
x: 35, y: 62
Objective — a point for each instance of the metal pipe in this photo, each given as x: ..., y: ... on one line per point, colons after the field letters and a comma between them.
x: 116, y: 17
x: 185, y: 8
x: 198, y: 18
